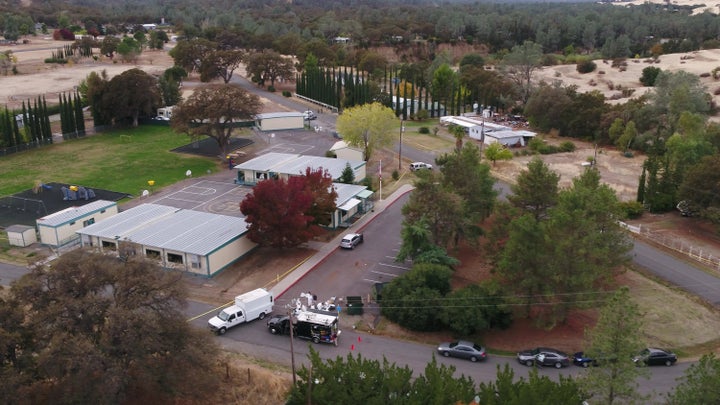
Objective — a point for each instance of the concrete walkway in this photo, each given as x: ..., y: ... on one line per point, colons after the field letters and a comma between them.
x: 325, y: 249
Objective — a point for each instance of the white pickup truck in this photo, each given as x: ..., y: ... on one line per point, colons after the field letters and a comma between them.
x: 252, y: 305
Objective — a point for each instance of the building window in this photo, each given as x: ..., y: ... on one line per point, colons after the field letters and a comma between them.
x: 72, y: 223
x: 175, y: 258
x: 102, y: 211
x: 88, y: 222
x: 195, y: 261
x: 152, y: 254
x: 109, y: 245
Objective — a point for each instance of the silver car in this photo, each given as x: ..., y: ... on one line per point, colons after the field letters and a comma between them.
x: 351, y: 240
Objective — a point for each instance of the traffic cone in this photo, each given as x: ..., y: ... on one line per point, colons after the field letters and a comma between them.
x: 352, y: 347
x: 359, y: 339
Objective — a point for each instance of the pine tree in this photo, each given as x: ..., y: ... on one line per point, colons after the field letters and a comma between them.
x: 613, y: 342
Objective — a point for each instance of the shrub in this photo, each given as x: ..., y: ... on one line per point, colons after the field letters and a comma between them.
x: 424, y: 130
x: 628, y: 154
x: 286, y: 93
x: 271, y: 89
x: 330, y: 154
x: 586, y: 66
x: 632, y: 209
x: 422, y: 115
x: 649, y: 75
x: 706, y: 74
x: 56, y: 60
x: 567, y: 146
x: 395, y: 175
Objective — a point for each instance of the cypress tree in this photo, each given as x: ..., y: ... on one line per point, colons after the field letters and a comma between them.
x: 412, y: 97
x: 79, y: 116
x: 47, y: 128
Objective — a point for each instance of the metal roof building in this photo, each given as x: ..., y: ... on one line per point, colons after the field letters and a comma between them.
x: 283, y: 165
x: 58, y: 229
x: 194, y: 241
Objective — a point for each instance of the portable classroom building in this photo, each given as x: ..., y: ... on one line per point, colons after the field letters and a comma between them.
x: 59, y: 229
x: 197, y: 242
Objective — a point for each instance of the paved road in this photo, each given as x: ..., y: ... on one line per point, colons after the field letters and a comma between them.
x: 678, y: 272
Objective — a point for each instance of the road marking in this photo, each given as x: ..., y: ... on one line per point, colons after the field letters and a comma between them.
x: 371, y: 281
x: 383, y: 273
x: 394, y: 266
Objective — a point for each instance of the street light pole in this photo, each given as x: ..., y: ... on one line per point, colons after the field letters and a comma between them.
x: 402, y: 129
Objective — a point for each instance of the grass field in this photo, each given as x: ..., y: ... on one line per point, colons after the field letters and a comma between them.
x: 121, y: 160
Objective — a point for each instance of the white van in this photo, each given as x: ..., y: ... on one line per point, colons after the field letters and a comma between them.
x: 420, y: 166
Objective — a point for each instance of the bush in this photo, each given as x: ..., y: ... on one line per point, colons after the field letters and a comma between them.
x: 56, y: 60
x: 586, y: 66
x: 367, y: 182
x: 395, y: 175
x: 632, y: 209
x: 271, y: 89
x: 424, y: 130
x: 649, y: 75
x: 422, y: 115
x: 286, y: 93
x: 567, y: 146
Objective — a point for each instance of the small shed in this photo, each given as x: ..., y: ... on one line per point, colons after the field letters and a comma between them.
x: 278, y: 121
x: 344, y: 151
x: 21, y: 235
x: 58, y: 229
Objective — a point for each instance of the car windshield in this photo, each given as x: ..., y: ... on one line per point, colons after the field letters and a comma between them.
x: 478, y: 348
x: 223, y: 315
x: 452, y: 345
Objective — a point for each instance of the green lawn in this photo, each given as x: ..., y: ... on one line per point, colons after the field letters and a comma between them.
x: 122, y: 160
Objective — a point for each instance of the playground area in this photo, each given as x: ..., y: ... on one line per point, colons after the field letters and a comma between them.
x: 25, y: 207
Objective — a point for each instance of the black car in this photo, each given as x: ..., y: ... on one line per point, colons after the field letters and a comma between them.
x: 463, y: 350
x: 655, y: 357
x: 543, y: 356
x: 279, y: 325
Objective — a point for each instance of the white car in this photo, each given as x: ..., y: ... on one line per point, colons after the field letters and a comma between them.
x: 351, y: 240
x: 309, y: 115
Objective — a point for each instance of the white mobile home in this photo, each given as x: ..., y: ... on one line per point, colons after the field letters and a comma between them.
x: 58, y: 229
x: 278, y: 121
x: 197, y: 242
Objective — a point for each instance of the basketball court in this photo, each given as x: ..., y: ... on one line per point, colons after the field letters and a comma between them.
x: 217, y: 197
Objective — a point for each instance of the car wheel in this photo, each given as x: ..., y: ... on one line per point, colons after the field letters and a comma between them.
x: 473, y: 359
x: 222, y: 331
x: 446, y: 354
x: 316, y: 340
x: 274, y: 331
x: 261, y: 316
x: 529, y: 363
x: 668, y: 363
x: 586, y: 364
x: 558, y: 365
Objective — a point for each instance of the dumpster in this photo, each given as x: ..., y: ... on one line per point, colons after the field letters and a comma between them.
x: 354, y: 305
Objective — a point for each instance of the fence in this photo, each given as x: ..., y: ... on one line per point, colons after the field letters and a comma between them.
x: 692, y: 252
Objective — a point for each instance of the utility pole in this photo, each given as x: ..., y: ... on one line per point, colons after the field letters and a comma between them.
x: 291, y: 312
x: 402, y: 129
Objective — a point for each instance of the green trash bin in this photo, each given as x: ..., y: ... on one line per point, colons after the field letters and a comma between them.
x: 354, y: 305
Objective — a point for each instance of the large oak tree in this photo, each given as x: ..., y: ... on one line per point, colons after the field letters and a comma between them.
x: 94, y: 328
x: 129, y: 95
x: 213, y: 111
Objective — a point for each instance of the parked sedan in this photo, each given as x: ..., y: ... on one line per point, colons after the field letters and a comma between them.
x: 543, y: 356
x: 463, y: 350
x: 655, y: 357
x: 579, y: 359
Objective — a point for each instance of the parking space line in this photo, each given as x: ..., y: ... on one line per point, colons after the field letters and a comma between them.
x: 394, y: 266
x: 383, y: 273
x: 371, y: 281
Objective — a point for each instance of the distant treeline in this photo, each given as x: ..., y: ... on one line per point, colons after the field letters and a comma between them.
x: 618, y: 31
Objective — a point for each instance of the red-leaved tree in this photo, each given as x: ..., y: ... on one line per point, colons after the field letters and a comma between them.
x: 284, y: 214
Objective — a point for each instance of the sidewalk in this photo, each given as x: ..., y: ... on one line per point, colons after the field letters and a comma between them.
x: 325, y: 249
